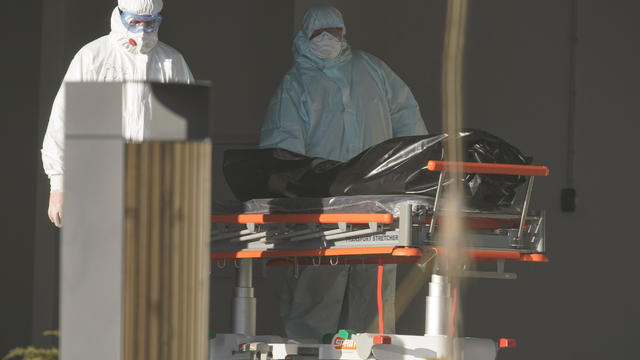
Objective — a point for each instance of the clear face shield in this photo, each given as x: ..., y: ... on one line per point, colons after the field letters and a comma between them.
x: 136, y: 24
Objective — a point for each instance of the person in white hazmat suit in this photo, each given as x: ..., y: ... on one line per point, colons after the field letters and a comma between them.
x: 334, y: 103
x: 130, y: 52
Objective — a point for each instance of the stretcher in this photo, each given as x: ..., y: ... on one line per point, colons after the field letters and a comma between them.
x: 377, y: 230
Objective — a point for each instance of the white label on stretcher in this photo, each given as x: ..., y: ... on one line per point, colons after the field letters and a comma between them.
x: 375, y: 238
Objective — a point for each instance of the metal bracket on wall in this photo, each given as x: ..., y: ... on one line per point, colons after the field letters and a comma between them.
x: 499, y: 274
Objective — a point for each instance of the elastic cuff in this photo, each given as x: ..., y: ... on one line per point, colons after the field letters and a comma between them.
x: 56, y: 182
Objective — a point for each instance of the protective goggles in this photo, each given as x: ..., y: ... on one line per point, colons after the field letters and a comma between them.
x: 135, y: 23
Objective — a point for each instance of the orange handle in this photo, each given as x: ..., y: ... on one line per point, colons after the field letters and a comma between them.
x: 489, y: 168
x: 302, y: 218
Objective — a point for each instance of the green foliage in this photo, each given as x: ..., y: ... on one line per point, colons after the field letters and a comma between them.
x: 32, y: 353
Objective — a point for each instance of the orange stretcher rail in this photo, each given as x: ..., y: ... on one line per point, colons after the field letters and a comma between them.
x: 475, y: 223
x: 508, y: 255
x: 489, y: 168
x: 478, y: 255
x: 302, y: 218
x: 345, y: 260
x: 411, y: 254
x: 364, y: 251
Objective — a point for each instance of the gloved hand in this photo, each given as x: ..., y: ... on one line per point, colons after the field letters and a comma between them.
x: 55, y: 207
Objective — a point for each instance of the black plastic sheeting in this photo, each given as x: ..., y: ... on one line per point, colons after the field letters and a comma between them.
x: 396, y: 166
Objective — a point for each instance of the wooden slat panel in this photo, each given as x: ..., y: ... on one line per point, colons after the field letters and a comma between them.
x: 141, y: 337
x: 205, y: 249
x: 154, y: 249
x: 195, y: 160
x: 131, y: 214
x: 167, y: 184
x: 177, y: 219
x: 167, y: 250
x: 184, y: 254
x: 189, y: 270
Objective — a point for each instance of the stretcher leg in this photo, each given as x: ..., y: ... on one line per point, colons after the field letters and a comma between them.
x: 379, y: 296
x: 244, y: 303
x: 438, y: 307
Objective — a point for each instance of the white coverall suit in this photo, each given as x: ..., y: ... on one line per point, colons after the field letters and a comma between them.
x: 114, y: 58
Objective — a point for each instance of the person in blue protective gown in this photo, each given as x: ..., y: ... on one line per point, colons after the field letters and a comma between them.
x: 334, y: 103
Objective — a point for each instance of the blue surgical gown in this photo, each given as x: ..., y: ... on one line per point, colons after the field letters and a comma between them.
x: 336, y: 108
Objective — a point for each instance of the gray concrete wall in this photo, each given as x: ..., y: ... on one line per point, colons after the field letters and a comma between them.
x: 52, y: 65
x: 581, y: 305
x: 19, y: 104
x: 518, y: 72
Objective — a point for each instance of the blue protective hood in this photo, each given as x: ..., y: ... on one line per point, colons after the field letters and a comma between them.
x: 318, y: 17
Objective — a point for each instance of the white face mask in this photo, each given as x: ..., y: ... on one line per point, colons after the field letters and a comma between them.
x: 143, y: 42
x: 325, y: 46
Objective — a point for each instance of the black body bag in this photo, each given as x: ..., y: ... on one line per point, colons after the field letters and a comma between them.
x: 396, y: 166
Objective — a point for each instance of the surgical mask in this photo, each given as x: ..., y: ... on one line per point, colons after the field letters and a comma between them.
x: 325, y: 46
x: 143, y: 42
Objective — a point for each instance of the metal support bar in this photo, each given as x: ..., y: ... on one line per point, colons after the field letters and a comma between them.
x: 344, y: 231
x: 228, y: 235
x: 498, y: 274
x: 311, y: 228
x: 252, y: 228
x: 250, y: 237
x: 539, y: 231
x: 489, y: 275
x: 316, y: 234
x: 373, y: 229
x: 525, y: 208
x: 435, y: 203
x: 405, y: 224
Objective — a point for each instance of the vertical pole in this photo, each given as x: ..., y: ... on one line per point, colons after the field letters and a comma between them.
x: 379, y: 296
x: 438, y: 307
x: 244, y: 303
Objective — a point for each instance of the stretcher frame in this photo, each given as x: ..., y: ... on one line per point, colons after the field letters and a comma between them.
x: 338, y: 237
x: 324, y: 238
